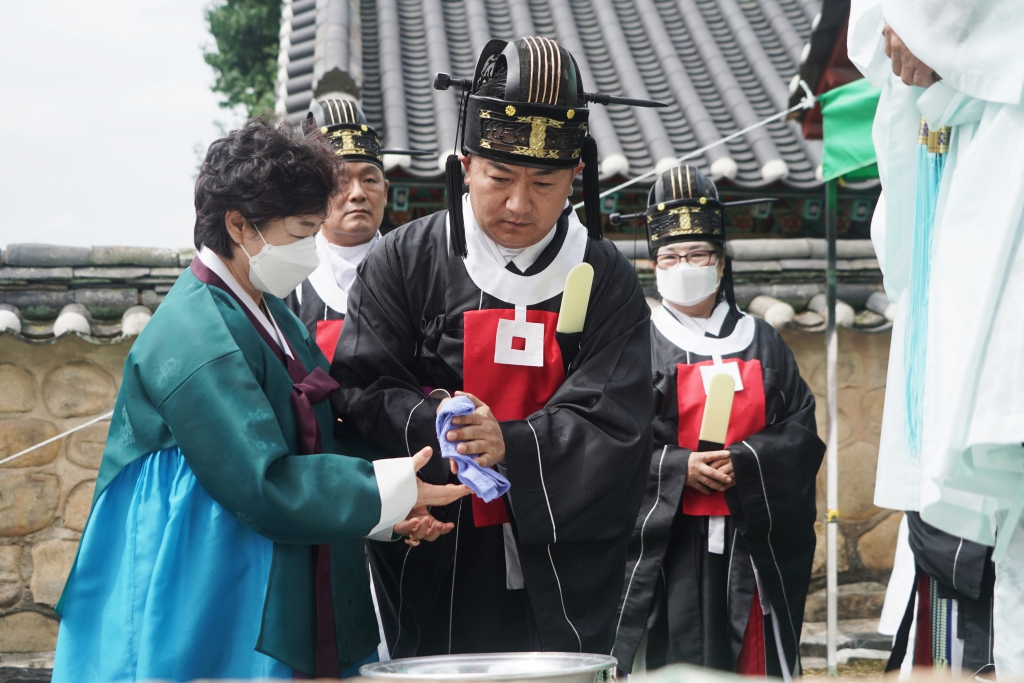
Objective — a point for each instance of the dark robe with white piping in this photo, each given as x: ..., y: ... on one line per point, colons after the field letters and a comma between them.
x: 310, y: 308
x: 695, y: 604
x: 549, y: 577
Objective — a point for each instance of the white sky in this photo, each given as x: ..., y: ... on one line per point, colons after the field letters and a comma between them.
x: 101, y: 105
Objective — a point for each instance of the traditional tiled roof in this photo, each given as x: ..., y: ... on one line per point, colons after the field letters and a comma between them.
x: 107, y: 294
x: 722, y: 65
x: 98, y: 292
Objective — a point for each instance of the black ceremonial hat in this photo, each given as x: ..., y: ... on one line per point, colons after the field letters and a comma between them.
x: 526, y: 106
x: 540, y: 118
x: 683, y: 206
x: 344, y: 124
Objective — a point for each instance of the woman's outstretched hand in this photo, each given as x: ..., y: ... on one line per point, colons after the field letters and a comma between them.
x: 420, y: 524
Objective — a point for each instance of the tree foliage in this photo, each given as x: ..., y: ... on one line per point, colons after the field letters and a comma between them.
x: 245, y: 61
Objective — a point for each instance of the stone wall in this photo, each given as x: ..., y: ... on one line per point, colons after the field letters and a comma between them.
x: 46, y: 389
x: 867, y: 534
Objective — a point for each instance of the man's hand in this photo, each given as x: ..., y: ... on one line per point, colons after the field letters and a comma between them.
x: 710, y: 471
x: 480, y: 433
x: 904, y: 64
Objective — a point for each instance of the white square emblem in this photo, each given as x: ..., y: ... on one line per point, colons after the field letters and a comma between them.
x: 519, y: 342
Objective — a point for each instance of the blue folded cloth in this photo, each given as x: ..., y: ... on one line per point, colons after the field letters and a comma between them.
x: 484, y: 482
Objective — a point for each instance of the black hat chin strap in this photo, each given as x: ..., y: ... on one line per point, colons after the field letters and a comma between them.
x: 727, y: 285
x: 591, y: 189
x: 453, y: 183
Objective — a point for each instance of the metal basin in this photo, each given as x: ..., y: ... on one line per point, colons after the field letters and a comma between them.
x: 534, y: 667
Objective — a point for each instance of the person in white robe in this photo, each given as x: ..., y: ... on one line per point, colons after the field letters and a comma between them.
x: 956, y: 65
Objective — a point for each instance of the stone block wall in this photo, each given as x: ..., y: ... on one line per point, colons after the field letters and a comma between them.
x: 47, y: 388
x: 45, y: 496
x: 867, y: 534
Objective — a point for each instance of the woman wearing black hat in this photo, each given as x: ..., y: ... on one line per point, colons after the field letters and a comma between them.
x: 469, y: 300
x: 720, y: 558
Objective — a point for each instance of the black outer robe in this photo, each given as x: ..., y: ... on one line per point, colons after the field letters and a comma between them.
x: 965, y: 573
x: 696, y: 604
x: 577, y: 467
x: 311, y: 309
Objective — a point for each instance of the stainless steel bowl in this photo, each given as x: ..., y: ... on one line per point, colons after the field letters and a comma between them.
x: 535, y: 667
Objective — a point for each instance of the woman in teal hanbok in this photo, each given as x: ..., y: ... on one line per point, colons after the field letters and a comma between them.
x: 225, y: 534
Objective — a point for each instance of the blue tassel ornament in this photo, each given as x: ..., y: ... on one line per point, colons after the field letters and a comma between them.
x: 931, y: 158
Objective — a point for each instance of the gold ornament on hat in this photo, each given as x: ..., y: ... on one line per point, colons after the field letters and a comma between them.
x: 348, y: 144
x: 538, y: 137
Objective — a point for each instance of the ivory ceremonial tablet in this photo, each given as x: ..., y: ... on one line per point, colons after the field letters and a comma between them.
x: 717, y: 409
x: 575, y: 299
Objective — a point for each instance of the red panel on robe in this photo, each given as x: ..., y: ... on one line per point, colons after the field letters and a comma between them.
x: 327, y: 334
x: 747, y: 418
x: 923, y: 655
x: 751, y: 660
x: 513, y: 392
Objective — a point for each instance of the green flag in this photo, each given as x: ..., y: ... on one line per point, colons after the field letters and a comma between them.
x: 848, y: 113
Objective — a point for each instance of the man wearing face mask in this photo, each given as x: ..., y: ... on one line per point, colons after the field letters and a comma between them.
x: 720, y: 558
x: 352, y: 225
x: 471, y: 300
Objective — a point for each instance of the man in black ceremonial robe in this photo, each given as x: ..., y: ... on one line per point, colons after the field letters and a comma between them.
x: 721, y: 555
x: 468, y: 300
x: 352, y: 226
x: 947, y: 606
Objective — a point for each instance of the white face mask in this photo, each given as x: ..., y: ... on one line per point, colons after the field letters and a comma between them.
x: 687, y: 285
x: 279, y: 270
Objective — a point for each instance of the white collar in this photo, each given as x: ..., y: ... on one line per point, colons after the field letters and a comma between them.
x: 522, y: 258
x: 712, y: 324
x: 337, y: 271
x: 216, y: 264
x: 690, y: 339
x: 490, y: 275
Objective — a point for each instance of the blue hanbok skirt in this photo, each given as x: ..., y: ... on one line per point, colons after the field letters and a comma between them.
x: 168, y: 585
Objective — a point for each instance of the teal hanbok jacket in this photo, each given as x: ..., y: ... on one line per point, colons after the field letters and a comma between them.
x: 200, y: 377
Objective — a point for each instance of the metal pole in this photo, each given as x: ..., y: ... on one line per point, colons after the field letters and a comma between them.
x: 832, y: 457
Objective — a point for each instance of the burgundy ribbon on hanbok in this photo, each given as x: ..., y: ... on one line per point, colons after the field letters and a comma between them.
x: 308, y: 388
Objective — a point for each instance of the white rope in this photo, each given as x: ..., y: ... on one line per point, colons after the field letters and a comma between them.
x: 806, y: 103
x: 55, y: 438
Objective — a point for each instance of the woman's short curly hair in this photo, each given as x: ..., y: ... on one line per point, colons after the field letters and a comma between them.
x: 265, y: 170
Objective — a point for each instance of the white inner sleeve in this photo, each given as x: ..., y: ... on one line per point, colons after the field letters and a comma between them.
x: 907, y: 668
x: 716, y: 534
x: 513, y: 571
x: 766, y: 608
x: 956, y: 643
x: 382, y: 649
x: 901, y: 583
x: 396, y: 484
